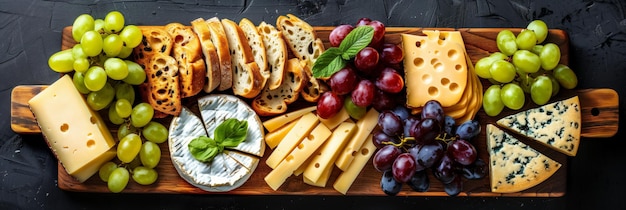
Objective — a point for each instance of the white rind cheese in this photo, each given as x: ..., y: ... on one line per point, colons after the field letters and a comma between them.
x: 514, y: 166
x: 556, y: 125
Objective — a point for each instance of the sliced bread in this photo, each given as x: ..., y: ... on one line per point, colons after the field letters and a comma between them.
x: 144, y: 91
x: 210, y: 54
x: 314, y: 88
x: 188, y: 52
x: 155, y: 40
x: 162, y: 77
x: 255, y: 40
x: 301, y: 38
x: 276, y: 52
x: 218, y: 37
x: 273, y: 102
x: 247, y: 78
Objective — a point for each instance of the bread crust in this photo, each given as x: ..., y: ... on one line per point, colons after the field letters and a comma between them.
x: 201, y: 28
x: 247, y: 78
x: 218, y: 37
x: 255, y: 40
x: 276, y: 51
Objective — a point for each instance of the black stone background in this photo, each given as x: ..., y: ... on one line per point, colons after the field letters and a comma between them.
x: 30, y: 31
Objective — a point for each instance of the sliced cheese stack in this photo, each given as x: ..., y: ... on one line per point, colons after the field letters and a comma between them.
x: 77, y: 136
x: 309, y: 145
x: 437, y: 67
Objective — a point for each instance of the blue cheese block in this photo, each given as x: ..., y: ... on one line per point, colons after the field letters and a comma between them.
x: 227, y: 171
x: 514, y: 165
x: 216, y: 108
x: 556, y: 125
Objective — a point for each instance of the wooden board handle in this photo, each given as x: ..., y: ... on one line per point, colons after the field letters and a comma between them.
x: 600, y: 111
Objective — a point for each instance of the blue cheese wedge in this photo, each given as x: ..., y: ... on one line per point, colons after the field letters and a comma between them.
x: 556, y: 125
x: 216, y: 108
x: 227, y: 171
x: 514, y: 165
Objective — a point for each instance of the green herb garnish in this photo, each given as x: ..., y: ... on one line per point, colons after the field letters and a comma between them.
x: 229, y: 133
x: 333, y: 59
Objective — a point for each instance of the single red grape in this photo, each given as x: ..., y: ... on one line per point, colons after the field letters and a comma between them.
x: 390, y: 81
x: 338, y: 34
x: 329, y: 104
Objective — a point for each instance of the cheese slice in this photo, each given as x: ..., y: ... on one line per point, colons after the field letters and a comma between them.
x: 322, y: 180
x: 362, y: 157
x: 298, y: 156
x: 435, y: 67
x: 329, y: 152
x: 277, y: 122
x: 77, y: 135
x: 272, y: 139
x: 336, y: 119
x: 556, y: 125
x: 293, y: 138
x: 514, y: 166
x: 364, y: 127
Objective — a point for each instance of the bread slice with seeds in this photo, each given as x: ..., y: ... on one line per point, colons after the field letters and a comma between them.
x: 247, y: 78
x: 300, y: 38
x: 155, y: 40
x: 276, y: 51
x: 218, y: 37
x: 162, y: 78
x: 255, y: 40
x: 273, y: 102
x: 188, y: 53
x: 211, y: 59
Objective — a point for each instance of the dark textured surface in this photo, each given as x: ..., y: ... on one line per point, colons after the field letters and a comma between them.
x: 30, y: 31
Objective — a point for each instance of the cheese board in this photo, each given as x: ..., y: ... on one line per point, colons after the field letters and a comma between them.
x: 599, y: 119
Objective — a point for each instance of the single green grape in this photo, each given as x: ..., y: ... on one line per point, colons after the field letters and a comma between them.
x: 105, y: 170
x: 526, y: 40
x: 537, y: 49
x: 502, y: 71
x: 82, y: 24
x: 79, y: 82
x: 125, y: 52
x: 482, y: 67
x: 125, y: 91
x: 155, y: 132
x: 118, y: 179
x: 150, y: 154
x: 526, y: 61
x: 95, y: 78
x: 81, y: 65
x: 123, y: 108
x: 77, y: 51
x: 492, y: 102
x: 100, y: 99
x: 128, y: 147
x: 112, y: 45
x: 540, y: 28
x: 499, y: 56
x: 141, y: 115
x: 62, y: 61
x: 541, y: 90
x: 355, y: 111
x: 550, y: 56
x: 99, y: 27
x: 114, y: 117
x: 113, y: 22
x: 126, y: 129
x: 144, y: 176
x: 136, y: 74
x: 131, y: 35
x: 91, y: 43
x: 505, y: 42
x: 566, y: 77
x: 512, y: 96
x: 116, y: 68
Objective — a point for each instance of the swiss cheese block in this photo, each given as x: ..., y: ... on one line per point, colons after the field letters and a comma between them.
x: 277, y: 122
x: 362, y: 157
x: 514, y: 166
x: 298, y: 156
x: 77, y: 135
x: 272, y: 139
x: 556, y: 125
x: 305, y: 124
x: 364, y: 127
x: 329, y: 151
x: 435, y: 67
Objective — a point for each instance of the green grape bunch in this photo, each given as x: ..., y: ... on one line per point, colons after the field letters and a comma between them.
x: 523, y: 65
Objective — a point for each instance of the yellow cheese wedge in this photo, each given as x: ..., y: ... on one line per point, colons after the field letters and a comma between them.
x: 298, y: 156
x: 362, y: 157
x: 329, y: 152
x: 76, y: 134
x: 364, y: 127
x: 293, y: 138
x: 335, y: 120
x: 272, y: 139
x: 277, y: 122
x: 322, y: 180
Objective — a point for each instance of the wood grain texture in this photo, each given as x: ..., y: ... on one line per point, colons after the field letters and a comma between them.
x: 600, y: 119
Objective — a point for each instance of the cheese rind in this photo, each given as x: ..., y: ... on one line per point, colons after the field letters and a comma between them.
x: 362, y: 157
x: 557, y: 125
x: 76, y: 134
x: 514, y: 166
x: 329, y: 152
x: 306, y: 123
x: 364, y: 127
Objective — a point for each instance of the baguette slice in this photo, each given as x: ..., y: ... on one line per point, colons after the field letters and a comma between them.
x: 155, y: 40
x: 188, y: 52
x: 210, y: 54
x: 277, y: 53
x: 144, y: 91
x: 314, y: 88
x: 162, y: 75
x: 301, y: 38
x: 255, y: 40
x: 247, y: 78
x: 218, y: 37
x: 273, y: 102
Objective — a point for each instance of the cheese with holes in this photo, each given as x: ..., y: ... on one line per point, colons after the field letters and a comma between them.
x: 435, y: 67
x: 277, y: 122
x: 329, y: 152
x: 364, y: 127
x: 361, y: 158
x: 293, y: 138
x: 272, y: 139
x: 556, y: 125
x: 514, y: 166
x: 298, y: 156
x: 322, y: 180
x: 77, y: 135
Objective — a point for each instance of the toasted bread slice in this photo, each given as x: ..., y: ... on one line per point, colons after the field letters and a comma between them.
x: 273, y: 102
x: 210, y: 54
x: 255, y: 40
x: 300, y: 38
x: 276, y: 51
x: 247, y: 78
x: 145, y: 93
x: 218, y: 37
x: 188, y: 52
x: 162, y: 77
x: 155, y: 40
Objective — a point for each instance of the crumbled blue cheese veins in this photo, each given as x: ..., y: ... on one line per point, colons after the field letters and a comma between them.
x: 556, y: 125
x: 514, y: 165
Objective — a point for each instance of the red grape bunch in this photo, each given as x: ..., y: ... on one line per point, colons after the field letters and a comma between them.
x: 410, y: 144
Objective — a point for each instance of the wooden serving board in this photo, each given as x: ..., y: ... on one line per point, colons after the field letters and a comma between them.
x: 599, y: 117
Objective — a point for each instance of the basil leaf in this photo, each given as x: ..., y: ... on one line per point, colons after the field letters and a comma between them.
x: 322, y: 66
x: 231, y: 132
x: 204, y: 148
x: 356, y: 40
